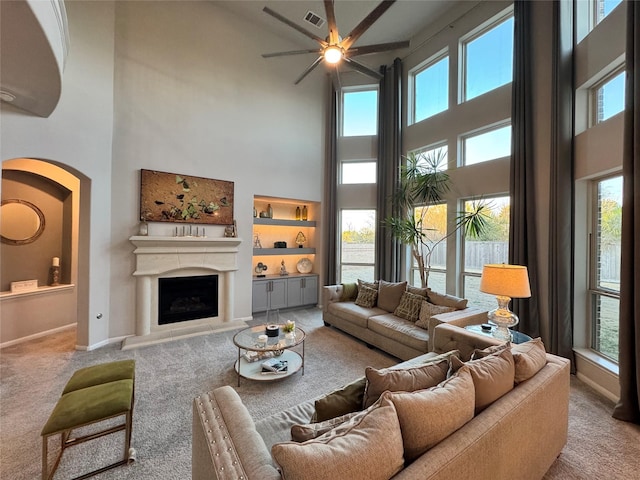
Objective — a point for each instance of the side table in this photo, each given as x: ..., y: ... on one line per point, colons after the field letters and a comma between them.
x: 516, y: 337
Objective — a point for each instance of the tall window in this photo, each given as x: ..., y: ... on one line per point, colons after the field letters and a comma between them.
x: 357, y: 245
x: 605, y: 266
x: 360, y: 113
x: 431, y: 89
x: 488, y: 145
x: 434, y: 227
x: 488, y: 59
x: 608, y: 98
x: 492, y: 247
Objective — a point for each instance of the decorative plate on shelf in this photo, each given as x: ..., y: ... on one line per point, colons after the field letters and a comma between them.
x: 304, y: 265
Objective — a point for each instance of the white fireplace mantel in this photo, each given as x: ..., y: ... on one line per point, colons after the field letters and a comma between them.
x: 158, y: 257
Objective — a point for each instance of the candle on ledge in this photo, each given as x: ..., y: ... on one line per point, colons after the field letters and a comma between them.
x: 55, y: 262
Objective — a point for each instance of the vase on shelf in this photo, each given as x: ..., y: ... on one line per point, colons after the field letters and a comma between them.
x: 304, y: 213
x: 297, y: 213
x: 269, y: 211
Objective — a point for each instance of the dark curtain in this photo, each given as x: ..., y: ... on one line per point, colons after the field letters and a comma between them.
x: 331, y: 181
x: 561, y: 205
x: 522, y: 232
x: 628, y: 407
x: 388, y: 249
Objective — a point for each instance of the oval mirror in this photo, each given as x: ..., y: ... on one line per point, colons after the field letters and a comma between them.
x: 21, y: 222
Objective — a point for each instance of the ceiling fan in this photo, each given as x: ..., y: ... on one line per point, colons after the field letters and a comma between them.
x: 335, y: 49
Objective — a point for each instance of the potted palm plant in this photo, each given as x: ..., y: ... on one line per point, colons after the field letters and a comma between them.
x: 423, y: 185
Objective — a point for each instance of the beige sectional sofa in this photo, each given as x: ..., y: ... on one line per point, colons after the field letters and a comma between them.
x: 517, y: 436
x: 381, y: 328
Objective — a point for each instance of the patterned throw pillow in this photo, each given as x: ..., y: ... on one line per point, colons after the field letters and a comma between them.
x: 427, y: 310
x: 366, y: 296
x: 373, y: 285
x: 409, y: 306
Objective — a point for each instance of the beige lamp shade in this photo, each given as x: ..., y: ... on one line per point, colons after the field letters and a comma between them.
x: 505, y: 280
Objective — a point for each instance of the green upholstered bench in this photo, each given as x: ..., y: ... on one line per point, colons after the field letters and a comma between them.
x: 92, y: 395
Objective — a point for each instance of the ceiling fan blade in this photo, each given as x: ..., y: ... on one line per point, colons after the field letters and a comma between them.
x: 363, y: 68
x: 331, y: 22
x: 308, y: 70
x: 369, y: 20
x: 378, y: 47
x: 295, y: 26
x: 291, y: 52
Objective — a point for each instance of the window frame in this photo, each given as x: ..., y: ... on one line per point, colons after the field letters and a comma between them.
x: 593, y: 94
x: 357, y: 89
x: 414, y: 72
x: 462, y: 50
x: 341, y: 263
x: 461, y: 241
x: 594, y: 291
x: 462, y: 153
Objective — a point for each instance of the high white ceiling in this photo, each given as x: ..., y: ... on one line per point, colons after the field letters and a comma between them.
x: 403, y: 20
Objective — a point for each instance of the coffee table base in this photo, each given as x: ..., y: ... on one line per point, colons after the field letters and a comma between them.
x: 253, y: 370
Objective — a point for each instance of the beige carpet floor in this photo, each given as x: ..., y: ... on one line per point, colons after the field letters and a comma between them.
x: 169, y: 375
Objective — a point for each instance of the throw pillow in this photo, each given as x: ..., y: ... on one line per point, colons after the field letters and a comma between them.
x: 409, y: 306
x: 407, y: 379
x: 429, y: 416
x: 341, y: 401
x: 366, y: 296
x: 529, y: 358
x: 492, y: 376
x: 349, y: 292
x: 427, y: 310
x: 446, y: 300
x: 373, y: 285
x: 417, y: 291
x: 332, y: 455
x: 389, y: 294
x: 309, y: 431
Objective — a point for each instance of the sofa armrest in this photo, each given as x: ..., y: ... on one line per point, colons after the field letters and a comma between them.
x: 226, y: 444
x: 461, y: 318
x: 447, y: 337
x: 330, y: 294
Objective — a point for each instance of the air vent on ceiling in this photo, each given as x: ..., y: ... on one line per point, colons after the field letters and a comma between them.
x: 314, y: 19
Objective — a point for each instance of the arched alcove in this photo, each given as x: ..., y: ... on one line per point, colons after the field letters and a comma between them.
x: 58, y: 190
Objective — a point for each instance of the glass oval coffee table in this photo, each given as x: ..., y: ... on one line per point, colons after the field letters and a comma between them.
x: 249, y: 364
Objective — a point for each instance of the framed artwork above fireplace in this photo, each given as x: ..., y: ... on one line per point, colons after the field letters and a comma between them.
x: 171, y: 197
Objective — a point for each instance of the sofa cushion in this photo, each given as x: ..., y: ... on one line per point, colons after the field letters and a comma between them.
x: 349, y: 292
x: 309, y: 431
x: 409, y: 306
x: 341, y: 401
x: 418, y: 290
x: 400, y: 330
x: 427, y: 310
x: 528, y: 357
x: 446, y: 300
x: 492, y: 376
x: 353, y: 313
x: 408, y: 379
x: 428, y: 416
x: 389, y: 294
x: 366, y: 297
x: 332, y: 455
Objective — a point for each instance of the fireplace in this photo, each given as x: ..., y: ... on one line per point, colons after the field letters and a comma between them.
x: 187, y: 298
x: 161, y: 259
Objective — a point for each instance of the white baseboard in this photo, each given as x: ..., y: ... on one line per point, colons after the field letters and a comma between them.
x: 38, y: 335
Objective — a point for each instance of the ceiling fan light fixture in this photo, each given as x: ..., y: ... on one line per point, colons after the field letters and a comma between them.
x: 332, y: 54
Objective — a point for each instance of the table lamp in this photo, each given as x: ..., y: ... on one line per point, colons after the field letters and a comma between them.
x: 505, y: 282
